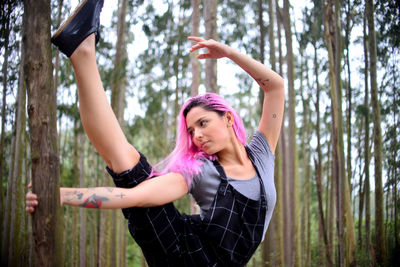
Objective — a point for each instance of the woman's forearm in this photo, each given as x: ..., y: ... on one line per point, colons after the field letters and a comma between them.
x: 98, y: 197
x: 264, y: 76
x: 150, y: 193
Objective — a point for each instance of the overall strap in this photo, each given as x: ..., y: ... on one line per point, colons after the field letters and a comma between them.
x: 223, y: 186
x: 263, y: 195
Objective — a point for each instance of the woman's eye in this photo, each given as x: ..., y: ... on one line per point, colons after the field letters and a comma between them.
x: 203, y: 123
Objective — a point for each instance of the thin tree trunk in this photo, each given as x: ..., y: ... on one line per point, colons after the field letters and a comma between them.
x: 82, y: 212
x: 6, y: 30
x: 57, y: 57
x: 330, y: 31
x: 349, y: 95
x: 46, y: 223
x: 210, y: 20
x: 267, y: 245
x: 194, y: 62
x: 118, y: 84
x: 16, y: 242
x: 292, y: 147
x: 285, y: 252
x: 379, y: 223
x: 366, y: 144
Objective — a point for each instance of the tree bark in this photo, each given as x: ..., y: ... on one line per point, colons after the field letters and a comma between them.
x: 376, y: 114
x: 82, y: 212
x: 118, y: 84
x: 194, y: 62
x: 210, y: 20
x: 366, y: 144
x: 330, y: 32
x: 6, y: 32
x: 286, y: 252
x: 46, y: 221
x: 292, y: 146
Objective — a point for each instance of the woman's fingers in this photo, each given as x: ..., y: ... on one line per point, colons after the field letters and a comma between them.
x: 195, y: 38
x: 31, y: 201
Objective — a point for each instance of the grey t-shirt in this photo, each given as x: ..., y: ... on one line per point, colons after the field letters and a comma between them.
x: 205, y: 184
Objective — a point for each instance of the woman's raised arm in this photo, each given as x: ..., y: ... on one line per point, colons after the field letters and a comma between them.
x: 271, y: 82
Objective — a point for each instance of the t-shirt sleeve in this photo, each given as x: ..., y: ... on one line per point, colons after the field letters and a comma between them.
x: 260, y: 145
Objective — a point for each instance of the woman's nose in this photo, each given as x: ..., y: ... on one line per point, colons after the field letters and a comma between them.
x: 198, y: 134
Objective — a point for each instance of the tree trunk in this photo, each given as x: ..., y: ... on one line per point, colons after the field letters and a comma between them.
x: 330, y: 32
x: 82, y: 212
x: 366, y: 144
x: 46, y: 221
x: 267, y: 245
x: 261, y: 26
x: 210, y: 20
x: 285, y: 252
x: 194, y: 62
x: 14, y: 230
x: 349, y: 94
x: 376, y: 114
x: 292, y: 146
x: 6, y: 36
x: 57, y: 57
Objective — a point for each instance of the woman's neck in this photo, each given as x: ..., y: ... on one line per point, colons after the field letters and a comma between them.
x: 234, y: 154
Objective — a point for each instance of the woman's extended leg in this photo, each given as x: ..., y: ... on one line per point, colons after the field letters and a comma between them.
x: 98, y: 119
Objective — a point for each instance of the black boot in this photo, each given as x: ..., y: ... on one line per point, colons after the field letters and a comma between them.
x: 84, y: 21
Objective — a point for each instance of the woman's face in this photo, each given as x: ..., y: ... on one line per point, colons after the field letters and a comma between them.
x: 209, y: 130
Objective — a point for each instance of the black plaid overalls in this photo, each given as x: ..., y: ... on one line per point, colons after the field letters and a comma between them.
x: 228, y: 235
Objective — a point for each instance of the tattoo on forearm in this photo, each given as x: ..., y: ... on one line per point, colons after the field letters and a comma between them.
x: 120, y: 195
x: 93, y: 202
x: 274, y: 116
x: 261, y: 81
x: 110, y: 189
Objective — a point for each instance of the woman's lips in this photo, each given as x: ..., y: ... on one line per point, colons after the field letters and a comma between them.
x: 203, y: 145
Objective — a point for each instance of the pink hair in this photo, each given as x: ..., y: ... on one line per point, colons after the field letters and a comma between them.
x: 186, y: 157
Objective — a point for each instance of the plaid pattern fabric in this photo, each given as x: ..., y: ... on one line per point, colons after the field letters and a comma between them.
x: 234, y: 222
x: 227, y: 236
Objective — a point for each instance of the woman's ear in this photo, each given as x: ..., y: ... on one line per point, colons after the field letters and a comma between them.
x: 229, y: 118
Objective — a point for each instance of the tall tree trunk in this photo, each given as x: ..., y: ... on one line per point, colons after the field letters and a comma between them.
x: 330, y: 32
x: 210, y: 20
x: 349, y: 93
x: 46, y: 221
x: 6, y: 36
x: 267, y: 245
x: 376, y: 114
x: 82, y: 212
x: 14, y: 230
x: 285, y: 207
x: 368, y: 244
x: 57, y: 57
x: 118, y: 84
x: 346, y: 235
x: 292, y: 146
x: 261, y: 27
x: 194, y: 62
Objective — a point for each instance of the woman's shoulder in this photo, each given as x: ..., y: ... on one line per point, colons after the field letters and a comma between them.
x: 259, y: 145
x: 207, y: 174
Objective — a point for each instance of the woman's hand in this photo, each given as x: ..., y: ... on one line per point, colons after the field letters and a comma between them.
x: 215, y: 49
x: 31, y: 200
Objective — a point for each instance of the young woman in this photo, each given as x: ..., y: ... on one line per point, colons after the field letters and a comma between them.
x: 232, y: 182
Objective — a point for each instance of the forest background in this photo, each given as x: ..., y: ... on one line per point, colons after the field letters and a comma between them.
x: 337, y: 166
